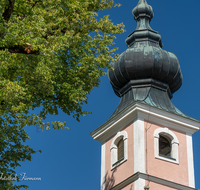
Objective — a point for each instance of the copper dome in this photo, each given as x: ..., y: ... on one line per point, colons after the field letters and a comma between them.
x: 145, y: 58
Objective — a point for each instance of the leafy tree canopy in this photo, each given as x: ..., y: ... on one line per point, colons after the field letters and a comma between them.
x: 52, y: 54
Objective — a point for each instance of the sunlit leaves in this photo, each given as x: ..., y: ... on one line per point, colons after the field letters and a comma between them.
x: 73, y: 45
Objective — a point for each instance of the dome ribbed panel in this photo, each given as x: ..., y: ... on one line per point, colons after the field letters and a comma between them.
x: 117, y: 70
x: 173, y: 67
x: 148, y: 60
x: 131, y: 63
x: 123, y: 68
x: 165, y: 66
x: 157, y: 62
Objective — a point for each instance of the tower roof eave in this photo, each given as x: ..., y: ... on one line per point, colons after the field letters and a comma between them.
x: 149, y: 113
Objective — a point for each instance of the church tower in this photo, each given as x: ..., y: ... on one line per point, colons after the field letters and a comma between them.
x: 147, y: 141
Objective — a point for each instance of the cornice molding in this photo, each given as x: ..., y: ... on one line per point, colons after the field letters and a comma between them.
x: 149, y: 114
x: 151, y: 178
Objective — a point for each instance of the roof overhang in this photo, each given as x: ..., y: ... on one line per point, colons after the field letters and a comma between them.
x: 149, y: 114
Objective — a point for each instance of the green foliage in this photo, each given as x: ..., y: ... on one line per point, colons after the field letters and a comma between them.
x: 52, y: 54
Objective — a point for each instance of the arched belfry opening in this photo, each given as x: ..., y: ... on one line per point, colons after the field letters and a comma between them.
x: 164, y: 146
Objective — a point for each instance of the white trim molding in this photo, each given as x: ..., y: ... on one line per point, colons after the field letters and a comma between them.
x: 113, y: 148
x: 142, y: 176
x: 139, y: 184
x: 103, y: 157
x: 190, y: 160
x: 139, y: 148
x: 174, y: 145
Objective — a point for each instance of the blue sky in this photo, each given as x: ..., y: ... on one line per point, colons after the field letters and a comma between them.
x: 70, y: 159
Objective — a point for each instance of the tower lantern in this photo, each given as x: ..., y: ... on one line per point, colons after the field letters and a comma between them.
x: 147, y: 141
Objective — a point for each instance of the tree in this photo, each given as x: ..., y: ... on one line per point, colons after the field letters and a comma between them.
x: 52, y: 54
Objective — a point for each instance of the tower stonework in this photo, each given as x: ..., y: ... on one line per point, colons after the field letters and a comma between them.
x: 147, y: 141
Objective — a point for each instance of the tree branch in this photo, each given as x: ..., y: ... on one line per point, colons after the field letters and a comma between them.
x: 8, y: 11
x: 7, y: 14
x: 25, y: 49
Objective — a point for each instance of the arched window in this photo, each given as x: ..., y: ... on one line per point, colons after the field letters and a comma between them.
x: 118, y: 149
x: 166, y: 145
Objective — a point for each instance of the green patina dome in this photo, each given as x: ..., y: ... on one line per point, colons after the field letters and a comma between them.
x: 144, y: 58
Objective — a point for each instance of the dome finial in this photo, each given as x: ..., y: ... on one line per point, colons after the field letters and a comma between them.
x: 142, y: 1
x: 143, y: 9
x: 143, y: 13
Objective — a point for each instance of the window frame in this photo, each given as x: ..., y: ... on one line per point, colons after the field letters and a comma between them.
x: 174, y: 145
x: 113, y: 149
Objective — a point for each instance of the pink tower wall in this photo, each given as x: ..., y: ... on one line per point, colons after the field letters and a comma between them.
x: 129, y: 187
x: 124, y: 170
x: 163, y: 169
x: 177, y: 173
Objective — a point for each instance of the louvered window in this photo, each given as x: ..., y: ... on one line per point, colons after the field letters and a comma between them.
x: 120, y: 150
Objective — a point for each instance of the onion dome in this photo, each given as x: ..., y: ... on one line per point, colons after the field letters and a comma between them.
x: 145, y: 73
x: 145, y: 63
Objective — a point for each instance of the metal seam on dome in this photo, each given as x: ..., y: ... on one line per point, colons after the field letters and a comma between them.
x: 114, y: 71
x: 167, y: 75
x: 161, y: 63
x: 123, y: 58
x: 120, y: 70
x: 125, y: 66
x: 143, y: 63
x: 178, y: 70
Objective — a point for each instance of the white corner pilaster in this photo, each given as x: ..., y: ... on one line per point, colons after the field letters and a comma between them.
x: 190, y: 160
x: 139, y: 184
x: 139, y: 147
x: 103, y: 158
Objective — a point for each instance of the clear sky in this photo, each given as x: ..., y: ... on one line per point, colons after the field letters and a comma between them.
x: 70, y: 159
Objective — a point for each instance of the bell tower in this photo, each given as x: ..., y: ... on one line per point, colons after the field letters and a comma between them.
x: 147, y: 141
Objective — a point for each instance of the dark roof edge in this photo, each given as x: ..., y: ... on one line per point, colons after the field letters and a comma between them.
x: 151, y: 178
